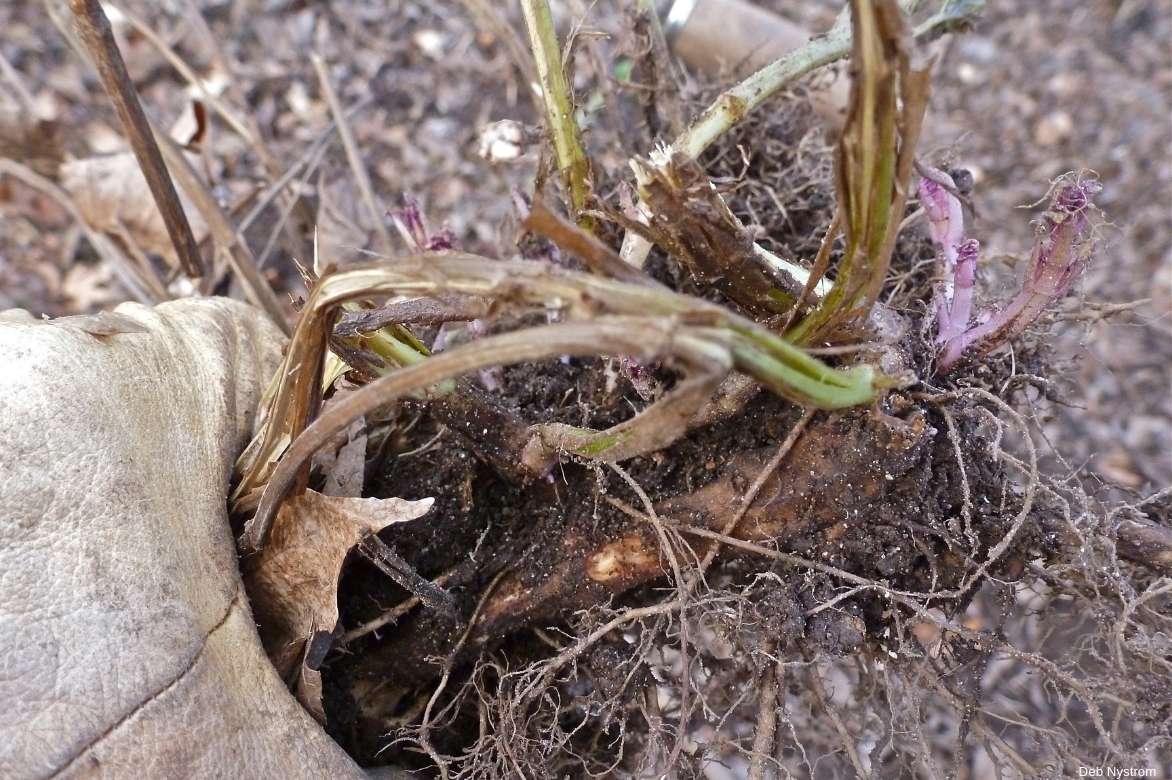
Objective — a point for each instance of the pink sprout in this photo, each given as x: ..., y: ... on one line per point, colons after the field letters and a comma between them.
x: 412, y: 226
x: 1063, y: 247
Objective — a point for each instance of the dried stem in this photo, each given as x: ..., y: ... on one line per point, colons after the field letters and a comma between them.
x: 392, y: 564
x: 876, y: 155
x: 94, y: 29
x: 256, y: 287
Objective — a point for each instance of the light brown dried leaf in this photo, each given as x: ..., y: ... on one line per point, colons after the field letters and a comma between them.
x: 111, y: 193
x: 293, y: 582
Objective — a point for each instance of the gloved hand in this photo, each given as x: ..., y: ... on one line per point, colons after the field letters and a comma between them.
x: 127, y: 645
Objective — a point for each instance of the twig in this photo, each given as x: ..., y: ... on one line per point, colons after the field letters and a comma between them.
x: 390, y: 616
x: 597, y: 256
x: 665, y: 73
x: 306, y: 160
x: 361, y: 177
x: 238, y: 124
x: 392, y: 564
x: 559, y: 107
x: 94, y: 30
x: 413, y: 311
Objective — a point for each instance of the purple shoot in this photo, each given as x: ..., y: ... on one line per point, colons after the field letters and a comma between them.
x: 641, y: 376
x: 958, y: 255
x: 1062, y: 249
x: 412, y: 226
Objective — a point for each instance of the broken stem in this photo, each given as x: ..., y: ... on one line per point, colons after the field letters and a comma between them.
x: 559, y: 107
x: 256, y: 288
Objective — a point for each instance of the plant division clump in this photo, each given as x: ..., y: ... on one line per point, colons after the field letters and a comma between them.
x: 698, y: 500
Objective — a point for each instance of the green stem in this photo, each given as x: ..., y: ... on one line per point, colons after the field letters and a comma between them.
x: 787, y: 369
x: 559, y: 107
x: 736, y: 102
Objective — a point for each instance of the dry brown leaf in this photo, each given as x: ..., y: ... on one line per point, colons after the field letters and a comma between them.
x: 31, y: 139
x: 293, y: 582
x: 112, y: 195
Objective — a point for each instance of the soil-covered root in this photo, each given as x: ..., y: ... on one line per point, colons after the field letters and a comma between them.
x: 895, y: 523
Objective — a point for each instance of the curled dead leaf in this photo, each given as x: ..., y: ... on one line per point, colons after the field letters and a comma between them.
x: 293, y: 582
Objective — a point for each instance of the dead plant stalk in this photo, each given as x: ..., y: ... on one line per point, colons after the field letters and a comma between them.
x: 94, y: 30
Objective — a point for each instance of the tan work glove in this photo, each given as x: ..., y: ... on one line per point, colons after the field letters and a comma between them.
x: 127, y: 646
